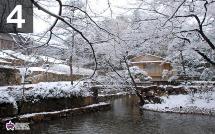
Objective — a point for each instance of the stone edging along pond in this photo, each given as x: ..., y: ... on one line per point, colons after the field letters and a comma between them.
x: 44, y: 105
x: 44, y: 116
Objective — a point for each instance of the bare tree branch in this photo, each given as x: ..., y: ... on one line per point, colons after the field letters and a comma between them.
x: 142, y: 102
x: 205, y: 57
x: 174, y: 12
x: 67, y: 23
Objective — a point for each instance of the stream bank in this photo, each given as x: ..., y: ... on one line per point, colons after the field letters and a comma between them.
x: 126, y: 117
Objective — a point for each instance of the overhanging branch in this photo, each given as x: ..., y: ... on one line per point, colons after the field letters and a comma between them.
x: 67, y: 23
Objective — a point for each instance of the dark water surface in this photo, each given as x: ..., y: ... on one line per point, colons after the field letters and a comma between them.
x: 126, y: 118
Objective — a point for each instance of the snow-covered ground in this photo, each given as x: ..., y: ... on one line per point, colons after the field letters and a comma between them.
x: 198, y: 103
x: 202, y: 82
x: 34, y: 92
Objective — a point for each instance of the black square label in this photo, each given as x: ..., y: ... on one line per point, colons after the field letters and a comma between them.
x: 16, y: 16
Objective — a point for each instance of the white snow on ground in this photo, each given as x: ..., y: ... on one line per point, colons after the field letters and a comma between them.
x: 203, y: 103
x: 43, y: 90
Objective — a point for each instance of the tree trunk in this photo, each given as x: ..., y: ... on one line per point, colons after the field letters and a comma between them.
x: 142, y: 102
x: 71, y: 69
x: 183, y: 63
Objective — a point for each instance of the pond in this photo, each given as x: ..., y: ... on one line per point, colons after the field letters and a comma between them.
x: 126, y: 118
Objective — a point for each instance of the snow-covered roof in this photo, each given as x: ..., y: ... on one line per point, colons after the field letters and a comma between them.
x: 8, y: 67
x: 66, y: 69
x: 8, y: 54
x: 58, y: 69
x: 51, y: 60
x: 5, y: 56
x: 155, y: 56
x: 4, y: 62
x: 12, y: 55
x: 147, y: 54
x: 59, y: 46
x: 150, y: 62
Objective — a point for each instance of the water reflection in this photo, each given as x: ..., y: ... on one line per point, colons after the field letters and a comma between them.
x: 126, y: 118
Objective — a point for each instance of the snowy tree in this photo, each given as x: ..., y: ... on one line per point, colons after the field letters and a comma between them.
x: 207, y: 74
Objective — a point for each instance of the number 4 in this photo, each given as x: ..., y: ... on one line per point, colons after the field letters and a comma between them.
x: 19, y: 21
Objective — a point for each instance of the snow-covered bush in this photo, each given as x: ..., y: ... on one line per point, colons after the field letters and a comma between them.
x: 7, y: 99
x: 173, y: 78
x: 138, y: 73
x: 121, y: 77
x: 207, y: 74
x: 204, y: 92
x: 111, y: 81
x: 55, y: 90
x: 43, y: 90
x: 169, y: 75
